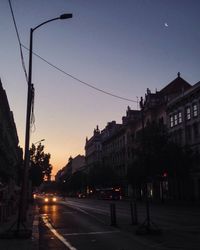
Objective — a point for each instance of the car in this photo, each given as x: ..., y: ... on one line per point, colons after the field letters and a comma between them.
x: 81, y: 195
x: 48, y: 199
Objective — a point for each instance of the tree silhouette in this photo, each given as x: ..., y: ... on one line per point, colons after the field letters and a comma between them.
x: 102, y: 176
x: 41, y: 168
x: 155, y: 154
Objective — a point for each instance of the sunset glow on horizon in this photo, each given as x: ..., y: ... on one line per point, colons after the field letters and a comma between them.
x: 120, y: 47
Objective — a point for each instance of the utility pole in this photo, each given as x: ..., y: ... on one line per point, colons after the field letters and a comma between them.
x: 30, y: 95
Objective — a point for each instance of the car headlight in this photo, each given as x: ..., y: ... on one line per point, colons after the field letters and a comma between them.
x: 46, y: 199
x: 54, y: 199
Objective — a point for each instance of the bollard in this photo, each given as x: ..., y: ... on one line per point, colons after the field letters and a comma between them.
x: 134, y: 216
x: 113, y: 215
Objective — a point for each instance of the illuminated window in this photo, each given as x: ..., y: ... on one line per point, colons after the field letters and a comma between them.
x: 179, y: 117
x: 188, y: 113
x: 171, y: 121
x: 175, y: 119
x: 195, y: 110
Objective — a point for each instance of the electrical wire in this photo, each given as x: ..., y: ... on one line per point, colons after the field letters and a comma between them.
x: 19, y: 41
x: 80, y: 81
x: 62, y: 71
x: 32, y: 117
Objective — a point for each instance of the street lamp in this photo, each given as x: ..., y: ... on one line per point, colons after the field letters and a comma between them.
x: 22, y: 210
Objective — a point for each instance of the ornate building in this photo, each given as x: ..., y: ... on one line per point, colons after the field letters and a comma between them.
x: 93, y: 150
x: 184, y: 127
x: 116, y: 145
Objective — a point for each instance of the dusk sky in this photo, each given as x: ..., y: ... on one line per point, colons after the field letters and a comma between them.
x: 120, y: 46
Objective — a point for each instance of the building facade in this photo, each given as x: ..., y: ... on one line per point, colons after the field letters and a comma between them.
x: 184, y: 127
x: 118, y: 142
x: 176, y: 109
x: 93, y: 150
x: 10, y: 153
x: 154, y: 110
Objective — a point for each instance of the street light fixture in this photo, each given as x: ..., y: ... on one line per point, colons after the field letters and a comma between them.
x: 22, y: 209
x: 65, y: 16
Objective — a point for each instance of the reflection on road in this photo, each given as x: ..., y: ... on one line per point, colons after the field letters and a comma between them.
x: 54, y: 231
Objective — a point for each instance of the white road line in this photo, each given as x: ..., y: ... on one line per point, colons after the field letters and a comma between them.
x: 83, y: 211
x: 88, y: 233
x: 59, y: 236
x: 103, y: 211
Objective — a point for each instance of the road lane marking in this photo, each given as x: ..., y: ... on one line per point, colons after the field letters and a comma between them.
x: 83, y: 211
x: 88, y: 233
x: 59, y: 236
x: 103, y: 211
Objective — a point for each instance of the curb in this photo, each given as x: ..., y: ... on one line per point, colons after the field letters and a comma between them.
x: 35, y: 230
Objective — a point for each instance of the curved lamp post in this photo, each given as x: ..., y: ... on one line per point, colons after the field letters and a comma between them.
x: 23, y: 208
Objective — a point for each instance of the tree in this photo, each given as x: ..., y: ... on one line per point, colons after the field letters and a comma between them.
x: 40, y: 165
x: 156, y: 154
x: 76, y: 183
x: 150, y: 152
x: 102, y: 176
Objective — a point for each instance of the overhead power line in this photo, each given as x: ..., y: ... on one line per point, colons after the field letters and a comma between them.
x: 52, y: 65
x: 32, y: 120
x: 19, y: 41
x: 80, y: 81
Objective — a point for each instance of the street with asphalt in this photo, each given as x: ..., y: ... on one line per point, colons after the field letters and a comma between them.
x: 86, y: 224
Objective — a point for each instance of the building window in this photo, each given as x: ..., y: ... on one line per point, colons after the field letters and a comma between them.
x: 175, y: 119
x: 171, y: 121
x: 179, y: 117
x: 195, y: 110
x: 188, y: 113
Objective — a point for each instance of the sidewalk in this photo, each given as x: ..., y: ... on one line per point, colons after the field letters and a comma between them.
x: 31, y: 243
